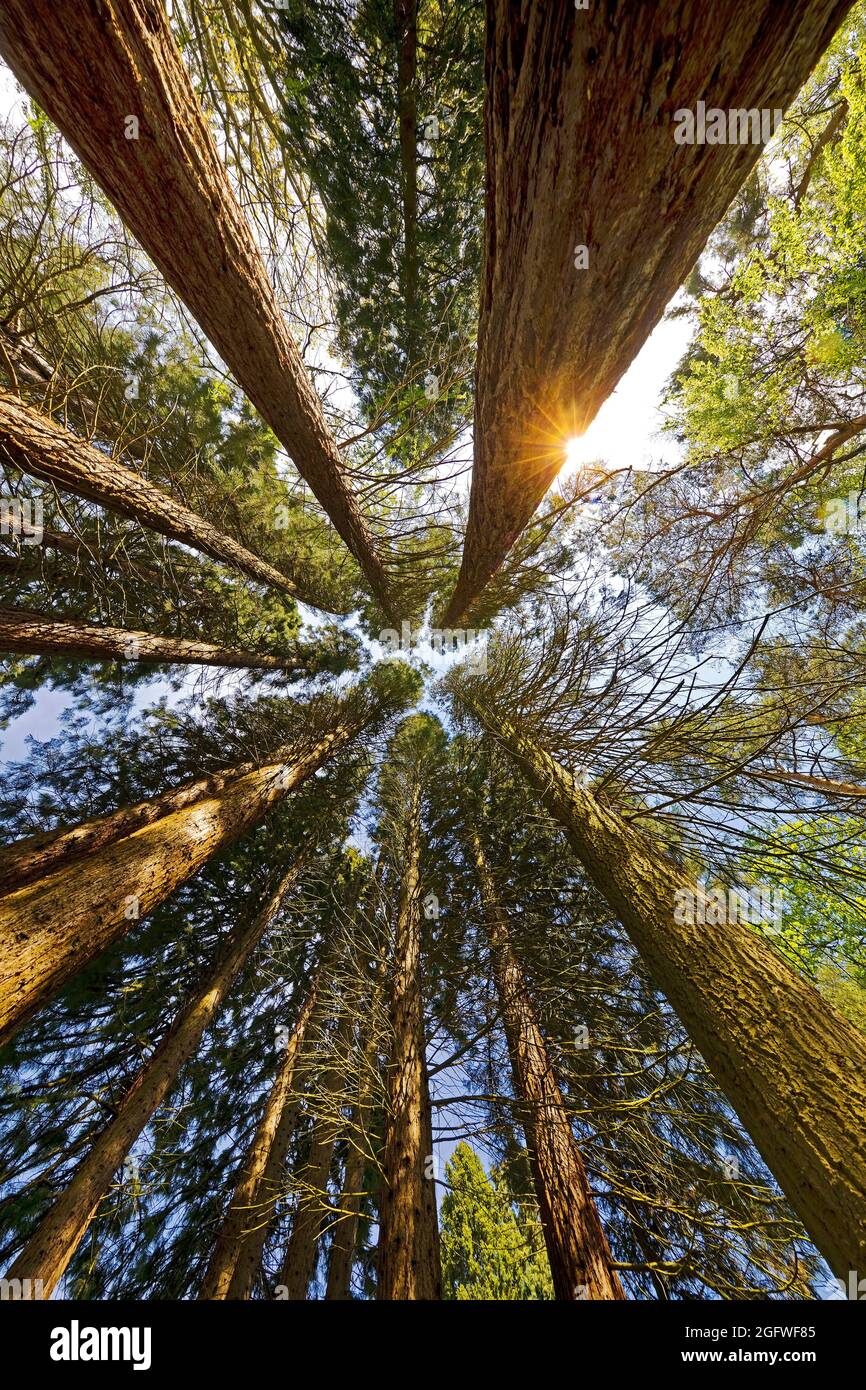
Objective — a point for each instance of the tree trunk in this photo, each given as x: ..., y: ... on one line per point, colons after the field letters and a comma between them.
x: 406, y: 20
x: 299, y: 1264
x: 580, y: 1260
x: 346, y: 1220
x: 33, y: 857
x: 579, y: 113
x: 111, y: 78
x: 28, y: 564
x: 826, y: 786
x: 409, y: 1264
x: 792, y: 1067
x: 55, y: 1240
x: 237, y: 1253
x: 54, y: 927
x: 22, y: 630
x: 39, y: 446
x: 346, y: 1225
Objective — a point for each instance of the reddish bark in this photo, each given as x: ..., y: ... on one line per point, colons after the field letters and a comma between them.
x: 580, y: 151
x: 110, y: 76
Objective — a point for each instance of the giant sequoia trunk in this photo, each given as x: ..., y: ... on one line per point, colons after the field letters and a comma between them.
x: 39, y: 634
x: 580, y: 1260
x: 792, y: 1067
x: 581, y: 153
x: 111, y: 78
x: 409, y: 1263
x: 299, y: 1264
x: 237, y: 1253
x: 39, y: 446
x: 52, y: 928
x: 56, y: 1238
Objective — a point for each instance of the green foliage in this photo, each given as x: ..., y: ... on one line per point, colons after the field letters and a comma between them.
x: 486, y: 1253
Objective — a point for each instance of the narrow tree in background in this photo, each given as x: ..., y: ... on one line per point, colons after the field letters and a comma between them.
x: 53, y: 1244
x: 311, y: 1179
x: 409, y: 1265
x: 580, y: 1258
x: 237, y: 1253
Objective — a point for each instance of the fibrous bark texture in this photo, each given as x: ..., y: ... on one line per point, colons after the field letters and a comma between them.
x: 579, y: 127
x: 792, y: 1067
x: 110, y: 76
x: 580, y: 1260
x: 53, y: 927
x: 41, y: 447
x: 40, y: 634
x: 409, y: 1261
x: 238, y: 1250
x: 55, y: 1240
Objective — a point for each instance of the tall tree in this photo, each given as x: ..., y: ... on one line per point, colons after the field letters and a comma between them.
x: 37, y: 445
x: 311, y: 1179
x: 49, y: 1251
x: 562, y: 123
x: 361, y: 1135
x: 408, y: 1266
x: 802, y: 1095
x: 22, y: 630
x: 236, y: 1255
x: 189, y: 221
x: 71, y: 914
x: 580, y: 1258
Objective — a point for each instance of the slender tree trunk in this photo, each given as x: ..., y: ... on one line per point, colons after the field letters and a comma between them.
x: 34, y: 856
x: 299, y: 1264
x: 89, y: 551
x: 141, y: 132
x: 22, y: 630
x: 56, y: 1239
x: 792, y: 1067
x: 580, y: 1260
x: 237, y: 1253
x: 44, y: 449
x: 346, y: 1223
x: 406, y: 20
x: 28, y: 563
x: 579, y: 125
x: 827, y: 786
x: 52, y: 928
x: 409, y: 1263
